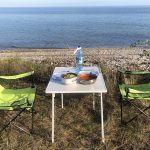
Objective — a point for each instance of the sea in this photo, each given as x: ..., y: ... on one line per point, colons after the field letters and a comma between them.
x: 69, y: 27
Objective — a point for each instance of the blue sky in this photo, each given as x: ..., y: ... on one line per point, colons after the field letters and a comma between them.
x: 49, y: 3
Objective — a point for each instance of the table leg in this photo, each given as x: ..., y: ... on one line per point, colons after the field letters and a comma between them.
x: 102, y: 121
x: 53, y: 110
x: 93, y: 101
x: 62, y: 100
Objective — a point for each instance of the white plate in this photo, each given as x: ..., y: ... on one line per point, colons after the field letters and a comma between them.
x: 69, y: 81
x: 91, y: 81
x: 57, y: 76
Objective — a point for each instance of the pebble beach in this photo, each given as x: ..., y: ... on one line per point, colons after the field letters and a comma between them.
x: 113, y: 58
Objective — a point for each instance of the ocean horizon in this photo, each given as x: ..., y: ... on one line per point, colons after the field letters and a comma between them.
x: 63, y: 27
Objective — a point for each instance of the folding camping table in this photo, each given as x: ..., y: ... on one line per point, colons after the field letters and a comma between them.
x: 55, y: 87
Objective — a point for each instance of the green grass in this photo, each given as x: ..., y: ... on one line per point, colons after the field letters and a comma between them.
x: 77, y: 125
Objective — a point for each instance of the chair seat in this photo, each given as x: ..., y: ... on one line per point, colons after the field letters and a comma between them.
x: 12, y: 98
x: 136, y: 92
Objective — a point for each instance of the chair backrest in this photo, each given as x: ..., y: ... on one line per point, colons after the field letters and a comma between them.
x: 19, y: 76
x: 17, y: 81
x: 133, y: 77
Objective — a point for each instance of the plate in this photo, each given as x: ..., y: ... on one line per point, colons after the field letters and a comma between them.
x: 87, y: 77
x: 69, y: 78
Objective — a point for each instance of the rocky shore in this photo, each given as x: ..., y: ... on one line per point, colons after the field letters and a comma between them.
x: 128, y: 58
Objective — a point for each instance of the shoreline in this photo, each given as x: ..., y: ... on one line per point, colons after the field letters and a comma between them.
x: 58, y: 48
x: 12, y: 50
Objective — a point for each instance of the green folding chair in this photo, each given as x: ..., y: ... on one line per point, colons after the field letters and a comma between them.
x: 134, y: 86
x: 18, y: 99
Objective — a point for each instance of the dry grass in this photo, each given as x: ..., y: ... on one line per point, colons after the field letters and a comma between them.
x: 77, y: 125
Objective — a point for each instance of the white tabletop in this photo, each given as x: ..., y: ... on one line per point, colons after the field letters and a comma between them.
x: 57, y: 87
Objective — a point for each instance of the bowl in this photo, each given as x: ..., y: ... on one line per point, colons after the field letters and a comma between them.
x: 69, y: 78
x: 86, y: 77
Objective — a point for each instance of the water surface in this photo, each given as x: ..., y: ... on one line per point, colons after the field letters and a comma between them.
x: 85, y: 26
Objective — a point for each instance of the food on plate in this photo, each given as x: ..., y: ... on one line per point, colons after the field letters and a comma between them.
x: 87, y: 76
x: 69, y: 75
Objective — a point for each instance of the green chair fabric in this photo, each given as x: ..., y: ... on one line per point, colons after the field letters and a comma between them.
x: 12, y: 98
x: 135, y: 92
x: 136, y: 72
x: 17, y: 76
x: 130, y: 92
x: 19, y: 99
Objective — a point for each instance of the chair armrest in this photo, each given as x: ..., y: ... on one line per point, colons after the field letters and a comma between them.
x: 136, y: 91
x: 136, y: 72
x: 19, y: 76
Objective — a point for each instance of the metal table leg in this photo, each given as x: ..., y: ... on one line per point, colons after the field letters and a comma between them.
x: 102, y: 121
x: 93, y: 101
x: 53, y: 110
x: 62, y: 100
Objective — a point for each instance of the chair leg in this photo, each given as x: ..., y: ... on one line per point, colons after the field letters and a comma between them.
x: 11, y: 120
x: 141, y: 112
x: 123, y: 123
x: 121, y: 112
x: 32, y: 120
